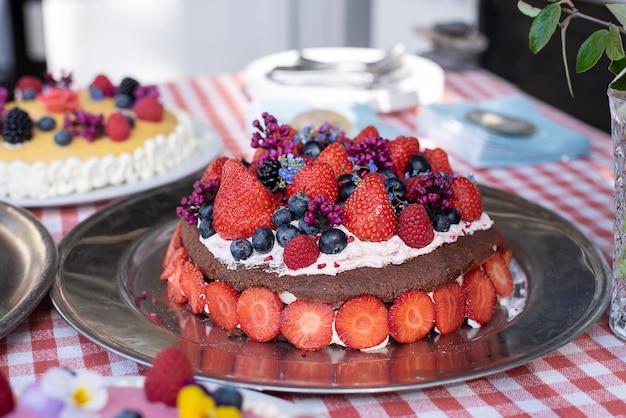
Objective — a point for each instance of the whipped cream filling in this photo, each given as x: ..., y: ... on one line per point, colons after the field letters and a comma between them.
x: 356, y: 254
x: 19, y: 179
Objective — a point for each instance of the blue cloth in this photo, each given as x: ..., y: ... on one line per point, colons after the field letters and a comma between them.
x: 447, y: 125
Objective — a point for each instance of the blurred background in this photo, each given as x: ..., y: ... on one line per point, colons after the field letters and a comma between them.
x: 161, y: 40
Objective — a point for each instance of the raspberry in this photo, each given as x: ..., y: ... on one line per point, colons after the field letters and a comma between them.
x: 300, y: 252
x: 17, y: 126
x: 148, y: 109
x: 103, y: 83
x: 414, y: 226
x: 117, y: 127
x: 170, y: 371
x: 29, y: 82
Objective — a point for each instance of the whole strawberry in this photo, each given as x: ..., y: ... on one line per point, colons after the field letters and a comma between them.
x: 315, y: 179
x: 214, y: 170
x: 466, y: 199
x: 7, y: 401
x: 242, y: 204
x: 170, y: 371
x: 368, y: 213
x: 414, y: 226
x: 402, y: 149
x: 336, y: 155
x: 301, y: 251
x: 149, y: 109
x: 438, y: 159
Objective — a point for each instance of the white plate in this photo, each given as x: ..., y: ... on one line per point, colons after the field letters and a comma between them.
x: 287, y: 409
x: 209, y: 146
x: 423, y: 85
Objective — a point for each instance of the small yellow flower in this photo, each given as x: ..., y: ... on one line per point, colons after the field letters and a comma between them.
x: 194, y: 402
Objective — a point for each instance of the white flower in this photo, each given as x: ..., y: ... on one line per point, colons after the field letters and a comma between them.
x: 84, y: 393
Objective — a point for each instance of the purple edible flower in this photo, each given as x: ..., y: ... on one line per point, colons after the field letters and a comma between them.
x: 324, y: 213
x: 371, y: 150
x: 203, y: 191
x: 85, y: 124
x: 271, y: 136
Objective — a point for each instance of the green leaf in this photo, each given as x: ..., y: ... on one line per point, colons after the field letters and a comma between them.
x: 617, y: 66
x: 591, y: 50
x: 619, y: 69
x: 614, y: 46
x: 527, y: 9
x: 619, y: 11
x: 543, y: 27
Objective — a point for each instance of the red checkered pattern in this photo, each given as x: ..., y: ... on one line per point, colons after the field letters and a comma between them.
x: 586, y: 377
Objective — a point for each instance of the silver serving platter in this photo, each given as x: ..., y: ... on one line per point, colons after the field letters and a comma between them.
x: 28, y: 265
x: 108, y: 288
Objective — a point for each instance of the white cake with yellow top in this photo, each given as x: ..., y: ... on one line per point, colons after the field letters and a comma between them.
x: 57, y: 141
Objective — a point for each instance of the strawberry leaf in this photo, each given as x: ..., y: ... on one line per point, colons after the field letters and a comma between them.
x: 543, y: 27
x: 591, y: 50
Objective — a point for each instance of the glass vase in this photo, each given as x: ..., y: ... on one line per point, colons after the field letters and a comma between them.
x: 617, y: 314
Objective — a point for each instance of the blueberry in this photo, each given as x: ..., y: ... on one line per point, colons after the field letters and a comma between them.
x: 333, y: 241
x: 63, y: 137
x: 128, y: 413
x: 95, y: 93
x: 345, y: 190
x: 263, y: 240
x: 453, y: 215
x: 229, y: 396
x: 387, y: 172
x: 46, y: 123
x: 206, y: 211
x: 395, y: 186
x: 308, y: 229
x: 441, y: 222
x: 241, y: 249
x: 344, y: 178
x: 286, y: 233
x: 206, y: 228
x: 281, y: 216
x: 123, y: 101
x: 298, y: 205
x: 312, y: 148
x: 418, y: 164
x: 29, y: 94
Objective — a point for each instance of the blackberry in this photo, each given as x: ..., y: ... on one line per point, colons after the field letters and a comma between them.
x: 17, y: 126
x: 9, y: 84
x: 268, y: 175
x: 128, y: 87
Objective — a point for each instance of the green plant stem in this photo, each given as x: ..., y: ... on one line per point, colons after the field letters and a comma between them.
x: 575, y: 13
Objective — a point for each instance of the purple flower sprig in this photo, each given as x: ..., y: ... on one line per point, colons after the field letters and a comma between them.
x: 85, y: 124
x: 324, y: 213
x: 65, y: 81
x: 146, y: 91
x: 327, y: 133
x: 433, y: 191
x: 272, y: 137
x: 203, y: 191
x: 371, y: 150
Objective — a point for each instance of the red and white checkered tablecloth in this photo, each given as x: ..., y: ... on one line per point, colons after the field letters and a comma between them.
x: 586, y: 377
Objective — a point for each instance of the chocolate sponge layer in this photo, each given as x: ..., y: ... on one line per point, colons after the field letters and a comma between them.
x: 427, y: 272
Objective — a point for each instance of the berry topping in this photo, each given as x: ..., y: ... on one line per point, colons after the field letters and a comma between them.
x: 337, y: 156
x: 402, y: 149
x: 222, y: 302
x: 411, y: 317
x: 449, y: 308
x: 452, y: 214
x: 298, y: 205
x: 242, y: 203
x: 414, y: 226
x: 369, y: 131
x: 313, y: 180
x: 170, y: 371
x: 286, y: 233
x: 241, y: 249
x: 7, y: 87
x: 441, y: 223
x: 269, y: 175
x: 361, y: 322
x: 418, y: 164
x: 28, y: 82
x: 228, y: 395
x: 466, y: 199
x: 149, y: 109
x: 62, y: 138
x: 104, y: 85
x: 333, y: 241
x: 302, y: 251
x: 368, y: 214
x: 312, y: 149
x: 259, y: 311
x: 497, y: 270
x: 127, y: 86
x: 129, y: 413
x: 46, y: 123
x: 123, y: 101
x: 173, y: 274
x: 395, y: 186
x: 281, y: 216
x: 308, y: 325
x: 480, y: 296
x: 117, y: 127
x: 263, y: 240
x: 193, y: 286
x: 57, y: 100
x: 438, y: 159
x: 17, y: 126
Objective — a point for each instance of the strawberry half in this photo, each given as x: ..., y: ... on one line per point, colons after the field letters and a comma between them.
x: 242, y: 204
x: 402, y: 149
x: 222, y: 301
x: 170, y: 371
x: 411, y: 317
x: 361, y: 322
x: 308, y: 325
x: 466, y: 199
x: 438, y: 160
x: 497, y: 269
x: 414, y: 227
x: 369, y: 131
x: 336, y: 155
x: 317, y: 178
x: 214, y: 170
x: 259, y: 310
x: 449, y: 308
x: 193, y: 286
x: 175, y: 243
x: 480, y: 296
x: 173, y: 274
x: 301, y: 251
x: 367, y: 213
